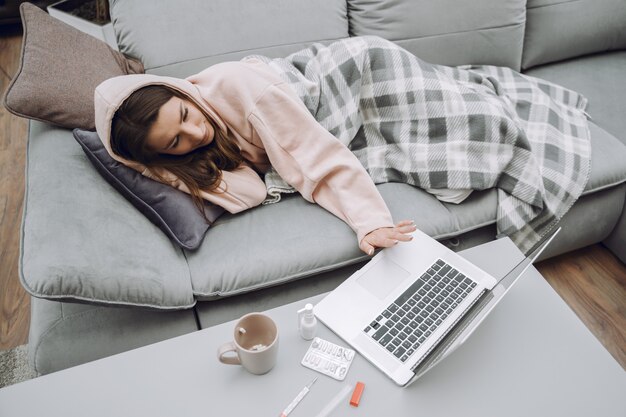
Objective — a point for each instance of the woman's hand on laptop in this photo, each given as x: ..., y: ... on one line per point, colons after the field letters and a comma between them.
x: 386, y: 237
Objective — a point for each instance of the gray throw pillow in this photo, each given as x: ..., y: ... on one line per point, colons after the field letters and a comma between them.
x: 172, y: 210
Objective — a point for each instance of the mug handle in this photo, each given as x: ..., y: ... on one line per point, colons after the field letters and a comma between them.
x: 228, y: 360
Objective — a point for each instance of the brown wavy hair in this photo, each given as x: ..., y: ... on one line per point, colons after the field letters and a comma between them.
x: 199, y: 170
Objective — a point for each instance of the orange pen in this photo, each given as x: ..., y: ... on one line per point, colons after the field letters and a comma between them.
x: 356, y: 394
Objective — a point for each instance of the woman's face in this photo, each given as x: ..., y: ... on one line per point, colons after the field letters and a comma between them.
x: 180, y: 128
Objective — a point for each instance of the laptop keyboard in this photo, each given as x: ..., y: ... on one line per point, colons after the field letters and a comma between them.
x: 408, y: 322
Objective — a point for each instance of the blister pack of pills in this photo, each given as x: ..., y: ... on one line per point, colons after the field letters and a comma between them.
x: 328, y: 358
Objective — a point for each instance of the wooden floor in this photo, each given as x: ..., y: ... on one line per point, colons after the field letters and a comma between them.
x: 591, y: 280
x: 14, y: 302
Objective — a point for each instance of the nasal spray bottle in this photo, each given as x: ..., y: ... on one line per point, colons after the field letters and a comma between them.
x: 307, y: 323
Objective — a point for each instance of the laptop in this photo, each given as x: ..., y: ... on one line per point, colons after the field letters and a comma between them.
x: 413, y: 304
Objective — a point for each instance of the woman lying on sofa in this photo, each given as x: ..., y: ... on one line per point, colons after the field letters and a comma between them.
x: 332, y: 121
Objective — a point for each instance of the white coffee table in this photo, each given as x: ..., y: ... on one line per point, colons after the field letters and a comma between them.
x: 530, y: 357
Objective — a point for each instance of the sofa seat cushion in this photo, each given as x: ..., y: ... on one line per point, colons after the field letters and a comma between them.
x: 82, y: 241
x: 273, y: 244
x: 600, y: 78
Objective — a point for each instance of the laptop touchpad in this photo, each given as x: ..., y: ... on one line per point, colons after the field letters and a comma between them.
x: 383, y: 277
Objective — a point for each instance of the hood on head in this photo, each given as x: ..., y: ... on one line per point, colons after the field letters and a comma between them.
x: 111, y: 93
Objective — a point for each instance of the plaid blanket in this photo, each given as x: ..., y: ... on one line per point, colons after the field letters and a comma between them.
x: 433, y: 126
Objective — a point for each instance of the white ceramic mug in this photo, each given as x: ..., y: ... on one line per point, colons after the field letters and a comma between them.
x: 255, y: 344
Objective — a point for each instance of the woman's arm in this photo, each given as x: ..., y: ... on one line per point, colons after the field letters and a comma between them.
x: 322, y: 169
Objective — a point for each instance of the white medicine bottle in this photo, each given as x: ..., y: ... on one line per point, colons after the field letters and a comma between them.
x: 307, y: 323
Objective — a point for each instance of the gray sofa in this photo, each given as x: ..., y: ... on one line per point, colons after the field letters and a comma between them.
x: 80, y: 236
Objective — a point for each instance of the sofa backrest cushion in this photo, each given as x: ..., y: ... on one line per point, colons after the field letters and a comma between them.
x: 179, y: 38
x: 562, y: 29
x: 448, y: 32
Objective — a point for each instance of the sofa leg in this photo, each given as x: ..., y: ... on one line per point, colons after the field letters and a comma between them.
x: 616, y: 242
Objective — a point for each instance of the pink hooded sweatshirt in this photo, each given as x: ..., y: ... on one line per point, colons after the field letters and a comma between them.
x: 272, y: 127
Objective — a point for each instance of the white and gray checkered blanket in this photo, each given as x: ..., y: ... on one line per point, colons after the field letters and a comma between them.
x: 435, y: 126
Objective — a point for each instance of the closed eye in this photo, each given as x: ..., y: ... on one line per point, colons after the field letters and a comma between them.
x: 183, y: 119
x: 184, y: 111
